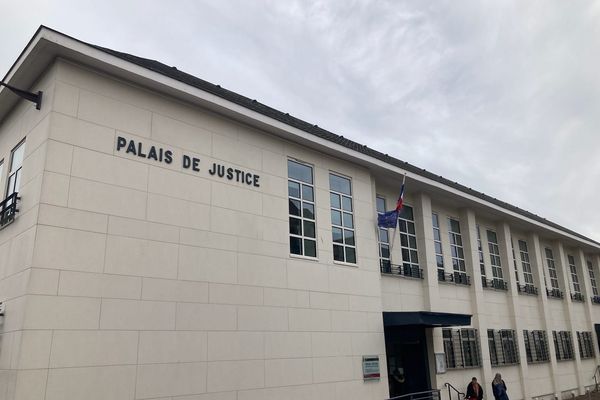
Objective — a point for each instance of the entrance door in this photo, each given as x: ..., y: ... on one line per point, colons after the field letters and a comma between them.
x: 407, y: 360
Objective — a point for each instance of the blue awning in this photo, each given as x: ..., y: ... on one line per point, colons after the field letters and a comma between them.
x: 425, y: 318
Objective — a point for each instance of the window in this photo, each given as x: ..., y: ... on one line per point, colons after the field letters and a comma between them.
x: 512, y: 247
x: 495, y: 259
x: 461, y: 347
x: 14, y: 173
x: 408, y: 239
x: 1, y: 170
x: 590, y: 269
x: 384, y: 240
x: 563, y: 344
x: 437, y: 241
x: 456, y: 248
x: 481, y: 262
x: 342, y: 219
x: 536, y: 346
x: 504, y: 349
x: 551, y: 269
x: 525, y: 263
x: 574, y: 278
x: 301, y: 202
x: 586, y: 347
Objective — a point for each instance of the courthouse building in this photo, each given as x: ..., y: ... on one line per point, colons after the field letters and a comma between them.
x: 165, y: 238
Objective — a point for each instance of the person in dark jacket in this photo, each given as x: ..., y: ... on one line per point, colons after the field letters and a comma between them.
x: 499, y: 388
x: 474, y: 390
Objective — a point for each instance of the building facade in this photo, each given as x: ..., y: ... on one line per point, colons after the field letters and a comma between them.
x: 164, y: 238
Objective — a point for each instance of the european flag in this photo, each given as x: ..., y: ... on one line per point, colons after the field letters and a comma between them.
x: 388, y: 219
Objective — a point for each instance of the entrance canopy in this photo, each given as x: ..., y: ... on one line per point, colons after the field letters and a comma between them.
x: 425, y: 318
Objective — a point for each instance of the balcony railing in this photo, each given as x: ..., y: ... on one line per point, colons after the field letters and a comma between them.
x: 459, y: 278
x: 8, y: 209
x: 577, y: 297
x: 495, y: 283
x: 406, y: 270
x: 555, y: 293
x: 528, y: 289
x: 596, y: 299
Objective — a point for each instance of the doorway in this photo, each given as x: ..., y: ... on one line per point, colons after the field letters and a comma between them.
x: 407, y: 359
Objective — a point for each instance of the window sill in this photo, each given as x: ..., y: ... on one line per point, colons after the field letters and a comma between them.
x: 538, y: 362
x: 345, y: 264
x: 413, y: 278
x: 493, y: 289
x: 307, y: 258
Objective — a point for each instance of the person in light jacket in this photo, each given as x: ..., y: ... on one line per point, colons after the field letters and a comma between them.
x: 499, y: 388
x: 474, y: 390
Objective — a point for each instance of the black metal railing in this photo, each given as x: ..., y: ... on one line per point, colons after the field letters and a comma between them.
x: 433, y: 394
x: 8, y: 209
x: 528, y: 289
x: 555, y: 293
x: 406, y: 270
x: 459, y: 395
x: 459, y: 278
x: 495, y: 283
x: 596, y: 299
x: 577, y: 297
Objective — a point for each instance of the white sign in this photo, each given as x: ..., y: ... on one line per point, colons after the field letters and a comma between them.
x: 370, y: 365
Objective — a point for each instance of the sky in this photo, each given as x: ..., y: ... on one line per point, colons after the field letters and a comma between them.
x: 501, y: 96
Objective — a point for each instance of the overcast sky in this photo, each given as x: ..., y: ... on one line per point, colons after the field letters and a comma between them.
x: 501, y: 96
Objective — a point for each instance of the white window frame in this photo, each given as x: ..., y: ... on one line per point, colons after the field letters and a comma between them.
x: 301, y: 217
x: 15, y: 172
x: 342, y: 212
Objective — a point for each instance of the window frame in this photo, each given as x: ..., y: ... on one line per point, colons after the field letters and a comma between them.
x: 481, y: 257
x: 405, y: 236
x: 495, y: 258
x: 439, y: 256
x: 575, y: 285
x: 342, y: 211
x: 551, y: 265
x: 303, y: 238
x: 592, y: 274
x: 525, y: 262
x: 536, y: 346
x: 462, y: 349
x: 17, y: 173
x: 385, y: 263
x: 456, y: 247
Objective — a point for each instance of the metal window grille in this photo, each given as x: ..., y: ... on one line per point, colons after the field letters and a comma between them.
x: 551, y: 269
x: 586, y: 347
x: 536, y: 346
x: 384, y: 240
x: 437, y: 242
x: 461, y: 347
x: 563, y: 345
x: 504, y: 349
x: 408, y: 238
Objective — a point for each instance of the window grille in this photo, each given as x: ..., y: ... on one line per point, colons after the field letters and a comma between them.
x: 586, y: 347
x: 461, y: 348
x: 536, y: 346
x: 563, y: 345
x: 504, y: 349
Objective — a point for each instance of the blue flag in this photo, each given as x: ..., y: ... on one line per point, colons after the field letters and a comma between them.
x: 388, y: 219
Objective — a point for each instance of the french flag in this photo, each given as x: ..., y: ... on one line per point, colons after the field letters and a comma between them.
x: 389, y: 219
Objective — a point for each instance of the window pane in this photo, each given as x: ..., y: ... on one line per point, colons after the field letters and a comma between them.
x: 346, y: 203
x: 308, y: 210
x: 412, y: 242
x: 293, y: 189
x: 336, y: 217
x: 384, y: 235
x: 295, y: 245
x: 349, y: 237
x: 350, y: 255
x: 17, y: 158
x: 294, y: 206
x: 335, y: 200
x: 454, y: 226
x: 310, y: 248
x: 339, y: 184
x: 407, y: 213
x: 307, y: 193
x: 309, y: 229
x: 338, y: 253
x: 411, y: 228
x: 380, y: 201
x: 299, y: 171
x: 385, y: 251
x: 337, y: 235
x: 348, y: 221
x: 295, y: 226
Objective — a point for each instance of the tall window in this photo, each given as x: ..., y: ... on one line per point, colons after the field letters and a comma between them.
x: 481, y: 262
x: 592, y: 277
x: 384, y: 240
x: 437, y: 241
x: 495, y: 256
x: 586, y: 347
x: 512, y: 247
x: 536, y: 346
x: 456, y: 248
x: 301, y: 202
x: 408, y: 238
x: 551, y: 269
x: 574, y: 278
x: 14, y: 172
x: 524, y: 254
x: 504, y: 348
x: 342, y: 218
x: 563, y: 344
x: 461, y: 347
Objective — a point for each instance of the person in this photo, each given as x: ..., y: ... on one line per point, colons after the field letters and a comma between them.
x: 499, y: 388
x: 474, y: 390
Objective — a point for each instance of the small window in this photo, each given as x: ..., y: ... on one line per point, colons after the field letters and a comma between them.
x: 301, y: 205
x: 342, y: 219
